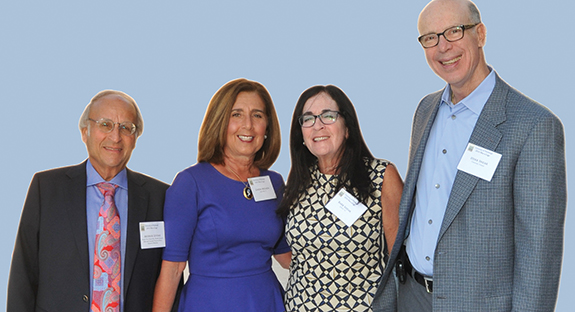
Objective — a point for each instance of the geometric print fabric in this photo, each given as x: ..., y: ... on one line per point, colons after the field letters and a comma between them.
x: 334, y: 267
x: 107, y: 254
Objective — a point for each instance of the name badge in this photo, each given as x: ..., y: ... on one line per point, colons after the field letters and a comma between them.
x: 262, y: 188
x: 346, y: 207
x: 152, y: 235
x: 479, y: 161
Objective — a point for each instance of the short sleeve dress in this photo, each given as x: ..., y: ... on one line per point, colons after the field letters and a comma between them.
x: 227, y: 240
x: 334, y: 267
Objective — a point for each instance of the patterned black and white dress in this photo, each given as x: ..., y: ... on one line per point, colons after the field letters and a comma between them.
x: 334, y: 267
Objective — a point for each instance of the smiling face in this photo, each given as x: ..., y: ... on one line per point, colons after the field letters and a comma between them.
x: 246, y: 128
x: 109, y: 152
x: 460, y: 63
x: 326, y: 142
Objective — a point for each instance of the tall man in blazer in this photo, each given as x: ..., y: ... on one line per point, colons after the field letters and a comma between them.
x: 53, y: 261
x: 477, y: 232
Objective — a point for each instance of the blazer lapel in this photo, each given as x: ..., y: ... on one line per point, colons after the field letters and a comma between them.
x: 422, y: 123
x: 137, y: 211
x: 426, y: 116
x: 486, y: 135
x: 76, y: 213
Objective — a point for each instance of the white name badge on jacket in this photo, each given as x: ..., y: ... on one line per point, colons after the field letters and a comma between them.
x: 346, y: 207
x: 479, y: 161
x: 262, y: 188
x: 152, y: 235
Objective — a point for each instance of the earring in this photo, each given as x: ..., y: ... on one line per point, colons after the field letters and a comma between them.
x: 303, y: 142
x: 265, y: 136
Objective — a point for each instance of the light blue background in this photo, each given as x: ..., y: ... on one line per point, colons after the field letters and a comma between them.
x: 172, y: 56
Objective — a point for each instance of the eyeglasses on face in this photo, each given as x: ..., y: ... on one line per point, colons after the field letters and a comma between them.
x: 106, y: 126
x: 451, y: 34
x: 327, y: 118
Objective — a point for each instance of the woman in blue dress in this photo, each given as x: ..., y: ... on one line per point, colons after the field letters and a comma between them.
x: 220, y: 213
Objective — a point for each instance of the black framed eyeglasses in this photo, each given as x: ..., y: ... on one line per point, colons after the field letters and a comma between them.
x: 327, y: 118
x: 450, y: 34
x: 106, y: 125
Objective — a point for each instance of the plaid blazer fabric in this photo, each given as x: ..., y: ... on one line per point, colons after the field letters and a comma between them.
x: 501, y: 242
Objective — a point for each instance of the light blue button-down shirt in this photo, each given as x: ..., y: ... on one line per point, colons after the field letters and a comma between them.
x: 447, y: 141
x: 94, y: 200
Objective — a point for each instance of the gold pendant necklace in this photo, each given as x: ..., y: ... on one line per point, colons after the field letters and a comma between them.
x: 247, y: 190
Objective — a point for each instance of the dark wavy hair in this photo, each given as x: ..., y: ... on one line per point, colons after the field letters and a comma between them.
x: 352, y: 169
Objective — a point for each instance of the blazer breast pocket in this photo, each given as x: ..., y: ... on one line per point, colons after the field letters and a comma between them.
x: 498, y: 181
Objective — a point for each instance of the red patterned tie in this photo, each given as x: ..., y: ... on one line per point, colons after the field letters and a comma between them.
x: 107, y: 257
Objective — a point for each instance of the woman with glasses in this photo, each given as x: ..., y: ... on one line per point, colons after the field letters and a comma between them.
x: 220, y: 213
x: 339, y: 200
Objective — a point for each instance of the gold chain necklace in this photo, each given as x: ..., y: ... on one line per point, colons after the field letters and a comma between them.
x: 247, y: 190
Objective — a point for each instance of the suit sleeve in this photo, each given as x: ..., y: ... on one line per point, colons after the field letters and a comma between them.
x: 23, y: 279
x: 540, y: 197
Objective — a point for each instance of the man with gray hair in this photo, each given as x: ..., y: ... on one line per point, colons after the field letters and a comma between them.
x: 78, y: 246
x: 483, y: 207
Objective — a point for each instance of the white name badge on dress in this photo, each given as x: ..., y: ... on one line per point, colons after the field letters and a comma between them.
x: 479, y: 161
x: 346, y: 207
x: 262, y: 188
x: 152, y: 235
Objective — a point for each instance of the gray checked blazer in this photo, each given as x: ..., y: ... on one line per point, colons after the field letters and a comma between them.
x: 501, y: 242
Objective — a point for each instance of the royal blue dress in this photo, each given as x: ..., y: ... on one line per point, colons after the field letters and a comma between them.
x: 227, y: 240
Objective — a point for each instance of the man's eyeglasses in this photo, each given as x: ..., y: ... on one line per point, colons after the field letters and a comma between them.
x: 106, y: 125
x: 450, y: 34
x: 327, y: 118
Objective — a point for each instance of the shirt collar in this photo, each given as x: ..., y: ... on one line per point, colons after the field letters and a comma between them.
x: 93, y: 177
x: 476, y: 100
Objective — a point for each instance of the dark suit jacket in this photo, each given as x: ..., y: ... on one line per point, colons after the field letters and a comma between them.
x: 50, y: 264
x: 501, y: 242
